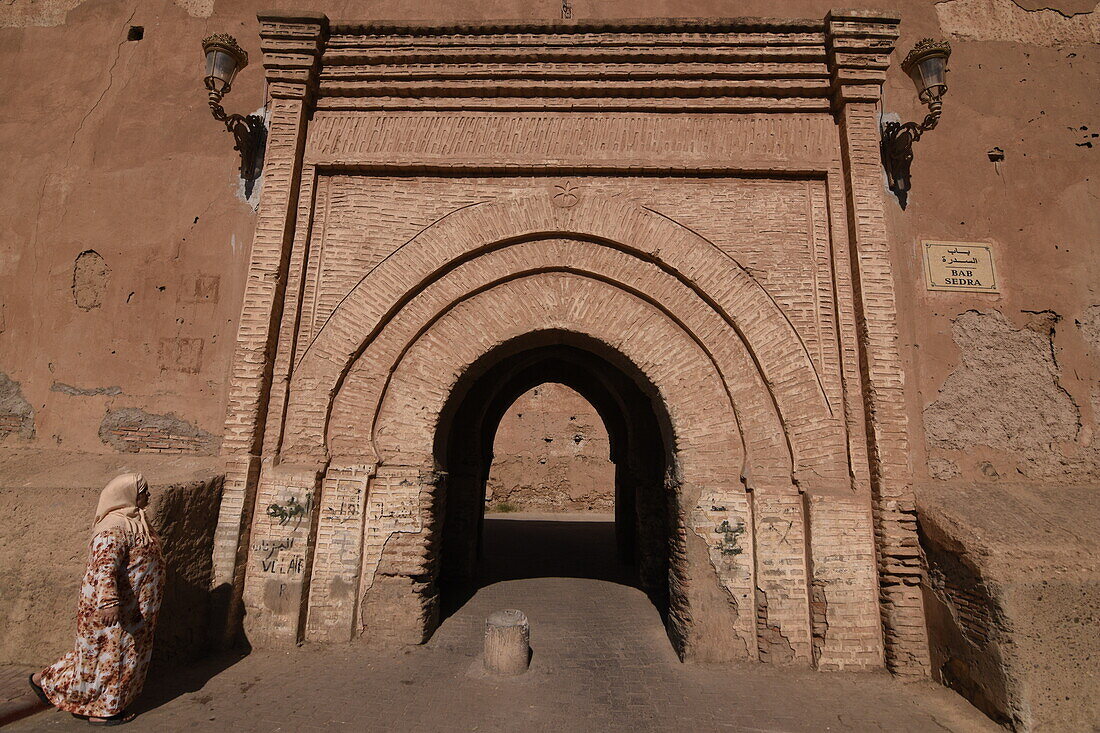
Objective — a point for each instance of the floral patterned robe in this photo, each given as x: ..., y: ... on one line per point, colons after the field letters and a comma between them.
x: 106, y: 670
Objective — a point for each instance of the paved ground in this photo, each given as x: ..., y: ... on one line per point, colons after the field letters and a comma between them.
x: 601, y: 662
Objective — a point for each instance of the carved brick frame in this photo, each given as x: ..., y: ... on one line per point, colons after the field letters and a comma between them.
x: 833, y: 67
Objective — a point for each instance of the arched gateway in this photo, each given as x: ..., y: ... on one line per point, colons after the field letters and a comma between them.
x: 680, y: 220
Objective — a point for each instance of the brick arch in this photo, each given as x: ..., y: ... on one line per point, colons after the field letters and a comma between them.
x: 768, y: 338
x: 689, y: 385
x: 631, y: 334
x: 637, y: 427
x: 350, y: 427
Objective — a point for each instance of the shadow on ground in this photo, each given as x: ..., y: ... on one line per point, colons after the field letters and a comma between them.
x: 167, y: 683
x: 516, y: 547
x: 535, y: 548
x: 602, y: 662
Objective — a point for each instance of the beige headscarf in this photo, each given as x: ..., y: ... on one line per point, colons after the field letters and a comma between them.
x: 118, y: 508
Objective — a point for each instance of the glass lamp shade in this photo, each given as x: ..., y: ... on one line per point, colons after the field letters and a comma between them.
x: 926, y: 65
x: 224, y: 58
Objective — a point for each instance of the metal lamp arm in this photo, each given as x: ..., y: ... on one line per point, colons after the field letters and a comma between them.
x: 247, y: 130
x: 897, y: 145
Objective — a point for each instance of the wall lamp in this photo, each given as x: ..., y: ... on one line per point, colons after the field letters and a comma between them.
x: 224, y: 58
x: 926, y: 65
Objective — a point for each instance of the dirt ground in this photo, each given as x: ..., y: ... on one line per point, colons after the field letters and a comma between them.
x: 601, y: 661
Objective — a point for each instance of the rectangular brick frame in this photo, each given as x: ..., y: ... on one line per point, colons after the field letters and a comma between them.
x: 856, y: 45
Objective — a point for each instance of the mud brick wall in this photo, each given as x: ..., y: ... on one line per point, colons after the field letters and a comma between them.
x: 131, y: 430
x: 45, y: 561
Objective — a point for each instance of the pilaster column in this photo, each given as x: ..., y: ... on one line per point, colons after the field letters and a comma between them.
x: 291, y: 46
x: 859, y: 44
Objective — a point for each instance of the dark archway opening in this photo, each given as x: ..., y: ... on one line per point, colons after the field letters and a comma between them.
x: 474, y: 552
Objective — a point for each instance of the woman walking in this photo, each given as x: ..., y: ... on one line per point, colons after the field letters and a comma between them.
x: 119, y: 600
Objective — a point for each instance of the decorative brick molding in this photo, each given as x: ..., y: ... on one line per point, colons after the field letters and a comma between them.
x: 859, y: 46
x: 694, y: 204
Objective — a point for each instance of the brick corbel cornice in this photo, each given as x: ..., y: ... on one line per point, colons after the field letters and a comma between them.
x: 858, y: 44
x: 292, y: 44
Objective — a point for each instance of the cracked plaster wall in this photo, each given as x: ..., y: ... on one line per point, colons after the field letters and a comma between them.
x: 124, y: 243
x: 1006, y: 396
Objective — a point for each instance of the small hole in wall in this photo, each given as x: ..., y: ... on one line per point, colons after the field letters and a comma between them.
x: 136, y: 33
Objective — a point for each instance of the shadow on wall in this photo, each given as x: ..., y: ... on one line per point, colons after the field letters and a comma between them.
x: 185, y: 516
x: 965, y: 626
x: 42, y: 561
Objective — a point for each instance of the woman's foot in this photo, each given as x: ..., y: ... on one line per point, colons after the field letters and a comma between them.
x: 123, y: 717
x: 35, y: 681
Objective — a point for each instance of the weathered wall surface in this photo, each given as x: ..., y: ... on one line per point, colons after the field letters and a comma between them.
x: 124, y: 241
x: 1014, y: 602
x: 551, y: 454
x: 44, y: 553
x: 125, y: 238
x: 1003, y: 387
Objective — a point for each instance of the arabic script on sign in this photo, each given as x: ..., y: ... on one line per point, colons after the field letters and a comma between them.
x: 960, y: 266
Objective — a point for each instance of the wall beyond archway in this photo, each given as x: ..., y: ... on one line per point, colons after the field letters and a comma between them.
x: 551, y: 454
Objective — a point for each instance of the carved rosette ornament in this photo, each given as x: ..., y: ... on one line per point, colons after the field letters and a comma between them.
x: 566, y: 195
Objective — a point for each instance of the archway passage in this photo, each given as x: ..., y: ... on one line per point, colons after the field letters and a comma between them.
x: 640, y: 450
x: 733, y: 250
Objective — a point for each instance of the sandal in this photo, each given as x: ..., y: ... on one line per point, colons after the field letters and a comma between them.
x: 119, y: 719
x: 38, y: 690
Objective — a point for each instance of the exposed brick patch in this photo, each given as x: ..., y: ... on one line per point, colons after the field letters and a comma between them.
x: 774, y: 647
x: 16, y: 414
x: 132, y: 430
x: 83, y: 392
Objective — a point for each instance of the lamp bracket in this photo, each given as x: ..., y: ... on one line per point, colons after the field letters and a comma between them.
x: 248, y: 135
x: 896, y: 146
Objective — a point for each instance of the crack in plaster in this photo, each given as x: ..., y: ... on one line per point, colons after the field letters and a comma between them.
x: 110, y: 83
x: 1008, y: 20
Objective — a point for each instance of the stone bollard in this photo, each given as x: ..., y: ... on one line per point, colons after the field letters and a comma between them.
x: 507, y: 642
